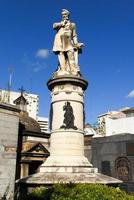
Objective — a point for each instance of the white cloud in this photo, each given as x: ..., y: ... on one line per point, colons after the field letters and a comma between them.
x: 37, y: 66
x: 131, y: 94
x: 42, y: 53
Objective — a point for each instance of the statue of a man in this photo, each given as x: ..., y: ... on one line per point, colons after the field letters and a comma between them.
x: 66, y: 44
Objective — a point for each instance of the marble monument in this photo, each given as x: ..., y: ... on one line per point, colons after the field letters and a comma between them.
x: 67, y: 162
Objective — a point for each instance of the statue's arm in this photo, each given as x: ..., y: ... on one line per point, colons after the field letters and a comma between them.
x: 75, y: 39
x: 74, y: 35
x: 57, y: 26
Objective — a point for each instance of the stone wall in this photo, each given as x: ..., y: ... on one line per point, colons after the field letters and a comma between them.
x: 9, y: 122
x: 114, y: 156
x: 87, y: 146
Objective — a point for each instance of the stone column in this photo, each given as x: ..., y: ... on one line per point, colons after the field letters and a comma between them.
x: 67, y: 123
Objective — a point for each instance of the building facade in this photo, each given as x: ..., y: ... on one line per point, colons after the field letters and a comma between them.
x: 32, y: 99
x: 43, y: 122
x: 23, y: 148
x: 116, y: 122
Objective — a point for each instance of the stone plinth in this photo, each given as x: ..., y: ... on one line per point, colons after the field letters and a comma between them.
x: 67, y: 162
x: 64, y: 177
x: 67, y: 149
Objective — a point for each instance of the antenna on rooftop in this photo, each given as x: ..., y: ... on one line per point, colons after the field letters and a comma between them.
x: 10, y: 69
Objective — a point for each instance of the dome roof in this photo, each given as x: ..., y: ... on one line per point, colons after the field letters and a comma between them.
x: 29, y: 123
x: 89, y: 130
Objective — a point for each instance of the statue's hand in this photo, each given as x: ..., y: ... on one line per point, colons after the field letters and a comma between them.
x: 64, y: 22
x: 58, y: 25
x: 79, y: 45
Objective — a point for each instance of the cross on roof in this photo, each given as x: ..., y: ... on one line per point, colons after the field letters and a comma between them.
x: 22, y: 90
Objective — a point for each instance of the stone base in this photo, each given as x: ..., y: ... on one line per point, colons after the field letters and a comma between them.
x: 49, y: 178
x: 68, y: 169
x: 65, y: 161
x: 66, y: 149
x: 66, y: 174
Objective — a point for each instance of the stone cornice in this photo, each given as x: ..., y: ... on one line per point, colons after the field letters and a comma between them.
x: 74, y: 80
x: 9, y: 107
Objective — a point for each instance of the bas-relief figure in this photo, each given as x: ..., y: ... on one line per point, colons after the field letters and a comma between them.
x: 123, y: 168
x: 68, y: 121
x: 66, y: 45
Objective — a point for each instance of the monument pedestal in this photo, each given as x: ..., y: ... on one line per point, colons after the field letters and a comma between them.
x: 67, y: 149
x: 67, y: 123
x: 67, y: 162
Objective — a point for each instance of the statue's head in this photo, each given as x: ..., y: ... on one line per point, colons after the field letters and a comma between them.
x: 68, y: 103
x: 65, y: 14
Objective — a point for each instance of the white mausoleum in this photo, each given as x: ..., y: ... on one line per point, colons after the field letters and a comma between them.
x: 116, y: 122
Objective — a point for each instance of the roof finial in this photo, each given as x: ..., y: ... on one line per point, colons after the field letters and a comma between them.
x: 22, y: 90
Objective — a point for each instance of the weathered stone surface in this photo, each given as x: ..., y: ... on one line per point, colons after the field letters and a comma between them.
x: 51, y: 178
x: 9, y: 122
x: 112, y: 149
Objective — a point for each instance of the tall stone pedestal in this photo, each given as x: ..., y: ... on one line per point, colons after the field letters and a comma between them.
x: 67, y: 121
x: 67, y: 162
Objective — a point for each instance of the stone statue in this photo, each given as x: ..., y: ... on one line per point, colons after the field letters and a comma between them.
x: 66, y: 45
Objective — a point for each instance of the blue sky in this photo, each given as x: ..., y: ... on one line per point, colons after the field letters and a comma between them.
x: 105, y: 26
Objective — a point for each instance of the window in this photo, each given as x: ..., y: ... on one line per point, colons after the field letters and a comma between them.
x: 130, y: 114
x: 105, y: 168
